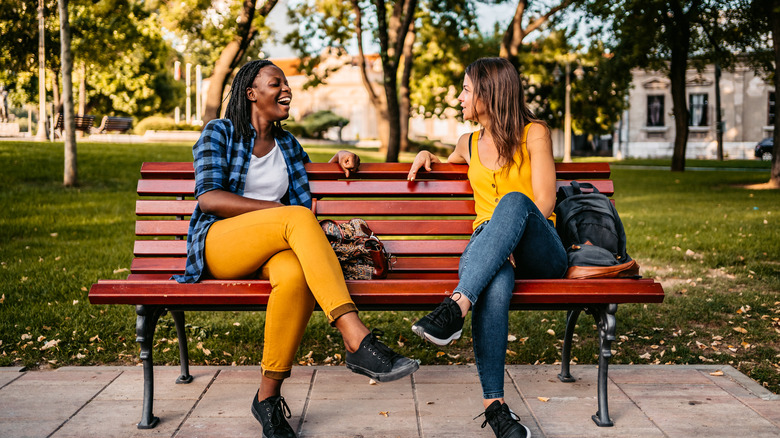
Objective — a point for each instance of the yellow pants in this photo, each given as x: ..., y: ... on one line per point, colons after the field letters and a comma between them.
x: 286, y: 246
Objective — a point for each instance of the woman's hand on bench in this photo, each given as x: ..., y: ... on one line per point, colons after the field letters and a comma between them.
x: 423, y: 159
x: 347, y: 160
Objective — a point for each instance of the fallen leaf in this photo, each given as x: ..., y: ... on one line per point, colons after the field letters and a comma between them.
x: 717, y: 373
x: 385, y: 413
x: 511, y: 338
x: 50, y: 344
x: 440, y: 354
x: 372, y: 382
x: 551, y: 332
x: 120, y: 270
x: 544, y: 399
x: 740, y: 329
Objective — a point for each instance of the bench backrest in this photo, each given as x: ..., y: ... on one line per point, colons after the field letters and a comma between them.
x: 110, y: 123
x: 425, y: 224
x: 83, y: 123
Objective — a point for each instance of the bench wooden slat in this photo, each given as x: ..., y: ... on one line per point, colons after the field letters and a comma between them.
x: 374, y: 292
x: 175, y: 265
x: 392, y: 207
x: 162, y: 228
x: 146, y: 207
x: 168, y: 248
x: 184, y: 170
x: 162, y: 187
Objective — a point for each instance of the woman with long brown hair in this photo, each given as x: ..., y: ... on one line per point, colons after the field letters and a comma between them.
x: 512, y: 174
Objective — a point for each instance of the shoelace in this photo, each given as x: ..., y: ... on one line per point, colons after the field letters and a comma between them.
x: 387, y: 354
x: 280, y: 409
x: 441, y: 315
x: 490, y: 416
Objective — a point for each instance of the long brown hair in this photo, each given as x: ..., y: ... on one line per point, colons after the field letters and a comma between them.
x: 497, y: 85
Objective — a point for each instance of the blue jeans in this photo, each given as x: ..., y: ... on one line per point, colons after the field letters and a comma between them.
x: 487, y: 278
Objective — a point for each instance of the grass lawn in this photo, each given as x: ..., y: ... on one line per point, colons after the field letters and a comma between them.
x: 714, y: 244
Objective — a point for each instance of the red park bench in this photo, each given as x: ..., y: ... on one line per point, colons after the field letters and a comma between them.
x: 436, y: 211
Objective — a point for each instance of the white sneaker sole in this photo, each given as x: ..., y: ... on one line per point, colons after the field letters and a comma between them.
x: 434, y: 340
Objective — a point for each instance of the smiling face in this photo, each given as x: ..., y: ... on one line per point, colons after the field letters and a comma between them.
x: 472, y: 107
x: 270, y: 94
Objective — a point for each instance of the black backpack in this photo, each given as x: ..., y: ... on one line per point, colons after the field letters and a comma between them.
x: 592, y: 233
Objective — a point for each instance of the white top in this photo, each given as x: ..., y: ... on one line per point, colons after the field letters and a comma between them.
x: 267, y: 178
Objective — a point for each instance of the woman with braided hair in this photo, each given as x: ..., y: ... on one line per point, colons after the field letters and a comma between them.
x: 253, y: 219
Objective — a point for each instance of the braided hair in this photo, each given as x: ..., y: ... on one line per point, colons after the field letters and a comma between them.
x: 239, y: 107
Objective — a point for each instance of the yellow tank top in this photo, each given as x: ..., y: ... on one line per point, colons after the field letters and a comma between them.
x: 489, y: 186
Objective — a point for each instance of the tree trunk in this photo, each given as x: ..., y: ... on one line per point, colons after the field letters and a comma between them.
x: 774, y: 176
x: 70, y: 178
x: 376, y: 100
x: 406, y: 103
x: 41, y: 134
x: 679, y: 34
x: 515, y: 33
x: 231, y: 56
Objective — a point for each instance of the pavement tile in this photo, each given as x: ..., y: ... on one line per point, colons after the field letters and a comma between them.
x: 657, y: 375
x: 337, y: 383
x: 571, y: 417
x: 360, y: 417
x: 210, y: 427
x: 542, y: 381
x: 769, y: 409
x: 69, y: 376
x: 446, y: 374
x: 119, y: 418
x: 47, y: 402
x: 27, y: 428
x: 8, y: 375
x: 130, y: 384
x: 710, y: 417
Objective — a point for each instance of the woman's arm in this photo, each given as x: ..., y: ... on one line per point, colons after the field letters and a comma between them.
x: 226, y: 204
x: 543, y: 178
x: 425, y: 158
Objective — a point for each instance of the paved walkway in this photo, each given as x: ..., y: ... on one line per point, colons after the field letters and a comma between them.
x: 437, y: 401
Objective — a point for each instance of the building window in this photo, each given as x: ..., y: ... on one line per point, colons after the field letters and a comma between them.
x: 655, y: 110
x: 698, y: 104
x: 770, y: 119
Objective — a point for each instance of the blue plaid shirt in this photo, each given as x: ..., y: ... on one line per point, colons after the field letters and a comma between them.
x: 222, y: 162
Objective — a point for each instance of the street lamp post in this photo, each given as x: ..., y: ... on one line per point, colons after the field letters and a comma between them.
x: 567, y: 117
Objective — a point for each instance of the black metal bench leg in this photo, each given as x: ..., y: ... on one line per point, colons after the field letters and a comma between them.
x: 144, y: 329
x: 571, y: 321
x: 185, y: 377
x: 605, y: 319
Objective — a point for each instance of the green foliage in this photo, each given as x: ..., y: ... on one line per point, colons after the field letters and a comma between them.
x: 118, y: 43
x: 314, y: 125
x: 162, y: 123
x: 447, y: 41
x: 202, y: 29
x: 598, y: 85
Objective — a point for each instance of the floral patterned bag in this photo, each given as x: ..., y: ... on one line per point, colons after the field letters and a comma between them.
x: 361, y: 254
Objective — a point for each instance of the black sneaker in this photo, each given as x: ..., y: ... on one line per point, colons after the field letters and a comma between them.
x: 505, y: 423
x: 441, y: 326
x: 271, y: 414
x: 377, y: 361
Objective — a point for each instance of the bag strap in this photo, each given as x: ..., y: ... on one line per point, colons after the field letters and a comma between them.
x: 578, y: 186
